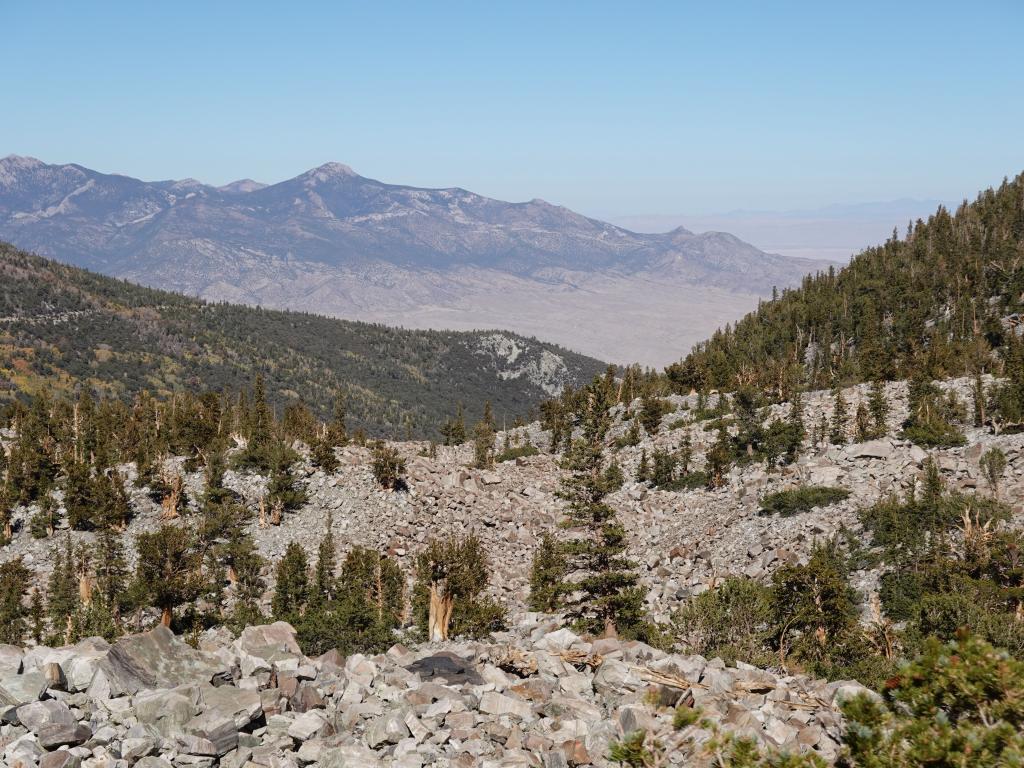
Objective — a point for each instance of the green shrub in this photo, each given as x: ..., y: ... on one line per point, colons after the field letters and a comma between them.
x: 732, y: 621
x: 388, y: 467
x: 903, y: 528
x: 652, y: 409
x: 958, y: 704
x: 631, y: 436
x: 933, y: 416
x: 713, y: 746
x: 517, y: 452
x: 688, y: 482
x: 797, y: 500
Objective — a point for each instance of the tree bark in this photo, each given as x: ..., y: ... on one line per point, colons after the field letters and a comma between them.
x: 440, y: 617
x: 165, y: 617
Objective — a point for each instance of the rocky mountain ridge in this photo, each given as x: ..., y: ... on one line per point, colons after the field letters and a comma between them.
x: 334, y: 242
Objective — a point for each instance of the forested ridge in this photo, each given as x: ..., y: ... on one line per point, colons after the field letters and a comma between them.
x: 63, y: 327
x: 944, y: 300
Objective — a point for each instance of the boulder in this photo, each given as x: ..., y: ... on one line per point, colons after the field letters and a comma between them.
x: 167, y: 711
x: 60, y: 758
x: 16, y: 690
x: 389, y: 729
x: 216, y: 732
x: 38, y: 714
x: 63, y: 734
x: 872, y: 449
x: 240, y: 705
x: 494, y: 703
x: 154, y: 659
x: 10, y: 659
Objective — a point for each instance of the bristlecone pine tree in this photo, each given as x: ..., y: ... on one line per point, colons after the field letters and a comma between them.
x: 605, y: 597
x: 448, y: 598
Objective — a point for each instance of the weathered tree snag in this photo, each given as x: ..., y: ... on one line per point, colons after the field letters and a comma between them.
x: 440, y: 616
x: 165, y: 617
x: 172, y: 499
x: 85, y: 589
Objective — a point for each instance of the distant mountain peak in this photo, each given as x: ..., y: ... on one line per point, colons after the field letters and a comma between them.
x: 241, y: 187
x: 328, y: 171
x: 680, y: 230
x: 21, y: 160
x: 12, y: 165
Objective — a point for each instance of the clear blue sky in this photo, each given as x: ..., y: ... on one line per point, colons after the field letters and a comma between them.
x: 609, y: 108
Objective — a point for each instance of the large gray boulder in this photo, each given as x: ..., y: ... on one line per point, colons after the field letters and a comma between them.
x: 10, y: 660
x: 154, y: 659
x: 167, y: 711
x: 37, y: 715
x: 16, y: 690
x: 241, y: 705
x: 213, y: 734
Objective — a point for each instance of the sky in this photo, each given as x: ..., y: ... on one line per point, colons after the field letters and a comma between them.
x: 612, y: 109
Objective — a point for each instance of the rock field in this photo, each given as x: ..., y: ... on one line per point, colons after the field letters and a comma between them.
x: 537, y: 695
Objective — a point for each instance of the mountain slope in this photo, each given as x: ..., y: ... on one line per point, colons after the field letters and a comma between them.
x: 335, y: 242
x: 62, y: 326
x: 947, y: 299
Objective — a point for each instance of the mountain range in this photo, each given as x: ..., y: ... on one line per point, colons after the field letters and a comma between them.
x: 334, y: 242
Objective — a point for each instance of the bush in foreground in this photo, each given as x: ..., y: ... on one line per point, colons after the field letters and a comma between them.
x: 958, y: 704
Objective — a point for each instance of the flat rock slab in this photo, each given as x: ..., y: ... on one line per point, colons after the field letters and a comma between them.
x: 446, y: 666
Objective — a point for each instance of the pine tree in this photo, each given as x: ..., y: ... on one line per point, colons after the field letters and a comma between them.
x: 606, y: 597
x: 547, y: 575
x: 878, y: 405
x: 283, y: 492
x: 62, y: 590
x: 454, y: 430
x: 111, y: 502
x: 337, y: 430
x: 6, y: 514
x: 325, y: 580
x: 643, y: 469
x: 840, y: 415
x: 37, y: 616
x: 719, y: 458
x: 78, y: 497
x: 322, y: 453
x: 111, y: 571
x: 388, y: 467
x: 448, y: 596
x: 15, y: 579
x: 244, y: 566
x: 375, y: 582
x: 863, y: 423
x: 483, y: 443
x: 292, y: 588
x: 169, y: 570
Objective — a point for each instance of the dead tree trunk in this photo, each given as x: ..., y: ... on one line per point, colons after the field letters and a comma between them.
x: 440, y: 617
